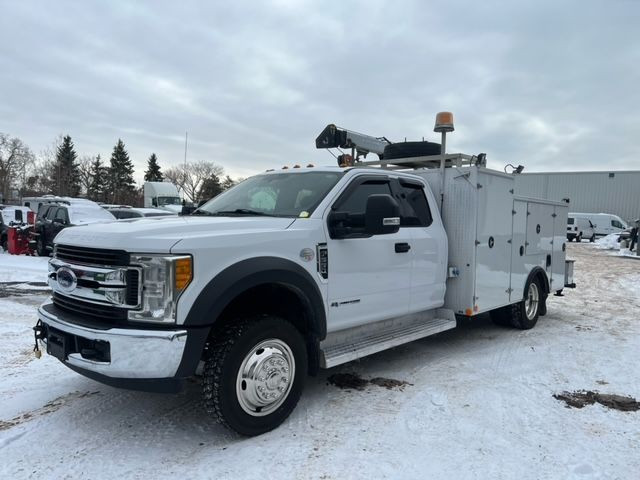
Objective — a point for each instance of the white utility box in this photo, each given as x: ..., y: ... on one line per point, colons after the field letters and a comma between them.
x: 495, y: 237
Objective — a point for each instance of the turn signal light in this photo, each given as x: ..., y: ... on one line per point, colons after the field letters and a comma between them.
x: 184, y: 273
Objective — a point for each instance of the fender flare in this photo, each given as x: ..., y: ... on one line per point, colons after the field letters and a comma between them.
x: 238, y: 278
x: 539, y: 272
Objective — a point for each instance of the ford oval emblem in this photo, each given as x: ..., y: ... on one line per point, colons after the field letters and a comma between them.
x: 67, y: 280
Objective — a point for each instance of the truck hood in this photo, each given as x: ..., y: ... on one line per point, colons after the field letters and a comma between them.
x: 159, y: 234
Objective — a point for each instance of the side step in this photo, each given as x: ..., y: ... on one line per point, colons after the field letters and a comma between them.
x: 384, y: 338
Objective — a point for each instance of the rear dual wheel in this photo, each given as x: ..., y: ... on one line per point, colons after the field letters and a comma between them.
x: 524, y: 314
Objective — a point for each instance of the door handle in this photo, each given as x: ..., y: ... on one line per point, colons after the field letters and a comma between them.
x: 402, y: 247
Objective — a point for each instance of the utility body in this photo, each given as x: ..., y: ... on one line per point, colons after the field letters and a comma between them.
x: 295, y: 270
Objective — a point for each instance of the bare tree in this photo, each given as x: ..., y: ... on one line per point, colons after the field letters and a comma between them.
x: 15, y: 157
x: 190, y: 178
x: 85, y: 173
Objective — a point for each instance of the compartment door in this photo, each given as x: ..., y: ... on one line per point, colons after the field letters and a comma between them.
x: 538, y: 216
x: 493, y: 247
x: 558, y: 254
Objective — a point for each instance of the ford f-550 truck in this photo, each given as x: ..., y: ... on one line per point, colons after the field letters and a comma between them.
x: 300, y: 269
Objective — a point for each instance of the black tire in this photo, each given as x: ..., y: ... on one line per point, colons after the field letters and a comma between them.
x: 593, y: 238
x: 521, y: 317
x: 410, y: 149
x: 501, y: 316
x: 579, y: 238
x: 40, y: 247
x: 5, y: 244
x: 222, y: 384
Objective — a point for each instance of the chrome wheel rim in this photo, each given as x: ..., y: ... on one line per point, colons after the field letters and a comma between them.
x: 265, y: 377
x: 532, y: 301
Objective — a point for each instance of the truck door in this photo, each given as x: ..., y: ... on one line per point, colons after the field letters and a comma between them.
x: 428, y: 244
x: 60, y: 221
x: 369, y: 278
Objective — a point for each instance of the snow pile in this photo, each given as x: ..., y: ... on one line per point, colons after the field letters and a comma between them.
x: 21, y: 268
x: 610, y: 242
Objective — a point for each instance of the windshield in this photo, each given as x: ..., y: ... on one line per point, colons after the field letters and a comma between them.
x: 279, y: 195
x: 162, y: 201
x: 81, y: 214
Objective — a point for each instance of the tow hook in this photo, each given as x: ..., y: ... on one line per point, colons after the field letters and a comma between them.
x: 39, y: 334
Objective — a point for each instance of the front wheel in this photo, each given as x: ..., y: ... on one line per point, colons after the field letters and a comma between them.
x: 579, y: 238
x: 593, y: 238
x: 40, y: 247
x: 255, y: 374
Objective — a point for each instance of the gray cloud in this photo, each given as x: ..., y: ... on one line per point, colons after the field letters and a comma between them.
x: 551, y: 85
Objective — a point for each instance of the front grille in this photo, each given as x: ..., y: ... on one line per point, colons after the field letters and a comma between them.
x: 91, y: 256
x: 133, y: 282
x: 92, y: 310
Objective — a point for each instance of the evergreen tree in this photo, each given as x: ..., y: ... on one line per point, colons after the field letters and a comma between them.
x: 210, y: 188
x: 227, y: 183
x: 153, y: 173
x: 121, y: 183
x: 66, y: 174
x: 99, y: 181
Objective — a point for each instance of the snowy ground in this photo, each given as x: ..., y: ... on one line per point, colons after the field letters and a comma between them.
x: 480, y: 404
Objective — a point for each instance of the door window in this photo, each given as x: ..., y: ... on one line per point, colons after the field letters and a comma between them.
x: 616, y: 223
x: 355, y: 203
x: 61, y: 214
x: 415, y: 208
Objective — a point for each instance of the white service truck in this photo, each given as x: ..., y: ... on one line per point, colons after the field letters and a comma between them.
x: 162, y: 195
x: 299, y: 269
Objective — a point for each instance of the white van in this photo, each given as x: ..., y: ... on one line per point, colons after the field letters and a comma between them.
x: 579, y: 228
x: 603, y: 223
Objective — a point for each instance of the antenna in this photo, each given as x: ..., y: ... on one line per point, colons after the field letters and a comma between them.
x: 185, y: 148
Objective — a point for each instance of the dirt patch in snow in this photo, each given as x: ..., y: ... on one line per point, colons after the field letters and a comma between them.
x: 582, y: 398
x: 356, y: 382
x: 49, y: 407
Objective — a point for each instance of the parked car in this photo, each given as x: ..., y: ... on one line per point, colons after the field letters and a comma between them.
x: 131, y: 212
x: 579, y: 228
x: 55, y: 217
x: 603, y: 223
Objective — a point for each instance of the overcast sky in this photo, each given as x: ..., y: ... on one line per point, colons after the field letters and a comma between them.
x: 553, y: 85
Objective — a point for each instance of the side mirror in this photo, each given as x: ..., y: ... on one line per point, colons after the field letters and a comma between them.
x: 382, y: 215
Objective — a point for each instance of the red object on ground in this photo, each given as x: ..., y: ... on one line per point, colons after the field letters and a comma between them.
x: 18, y: 240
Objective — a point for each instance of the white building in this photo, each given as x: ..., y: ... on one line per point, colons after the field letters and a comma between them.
x: 616, y: 192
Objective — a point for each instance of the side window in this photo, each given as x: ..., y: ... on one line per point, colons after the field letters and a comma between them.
x: 354, y: 205
x: 49, y: 212
x: 415, y: 209
x: 61, y: 214
x: 616, y: 223
x: 356, y: 202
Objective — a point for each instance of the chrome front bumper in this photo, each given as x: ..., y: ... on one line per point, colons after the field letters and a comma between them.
x: 134, y: 353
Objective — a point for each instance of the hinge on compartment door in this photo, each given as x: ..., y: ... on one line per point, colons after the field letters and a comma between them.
x: 554, y: 215
x: 513, y: 212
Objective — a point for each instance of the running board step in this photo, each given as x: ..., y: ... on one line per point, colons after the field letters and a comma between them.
x: 383, y: 339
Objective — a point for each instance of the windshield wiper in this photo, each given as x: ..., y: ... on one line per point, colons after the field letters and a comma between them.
x: 242, y: 211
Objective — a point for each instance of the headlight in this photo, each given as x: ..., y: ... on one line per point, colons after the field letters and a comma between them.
x: 164, y: 278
